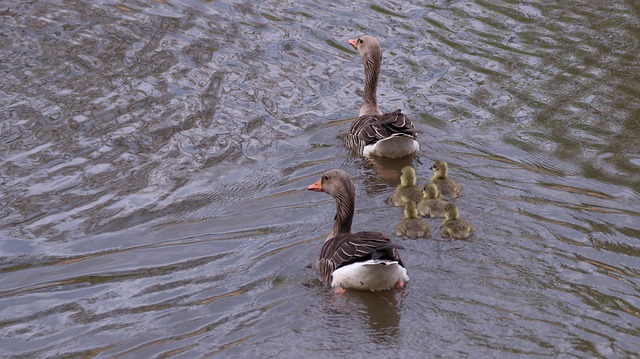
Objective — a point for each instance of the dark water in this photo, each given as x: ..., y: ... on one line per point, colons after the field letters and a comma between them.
x: 155, y: 156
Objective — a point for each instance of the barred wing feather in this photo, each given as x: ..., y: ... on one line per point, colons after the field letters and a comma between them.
x: 367, y: 130
x: 348, y: 248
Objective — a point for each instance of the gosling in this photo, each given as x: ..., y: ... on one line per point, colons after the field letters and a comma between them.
x: 407, y: 190
x: 446, y: 186
x: 411, y: 226
x: 454, y: 226
x: 431, y: 204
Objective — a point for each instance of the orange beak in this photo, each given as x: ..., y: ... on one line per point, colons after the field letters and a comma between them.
x: 316, y: 187
x: 353, y: 42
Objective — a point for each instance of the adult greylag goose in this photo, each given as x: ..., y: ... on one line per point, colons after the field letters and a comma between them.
x: 363, y: 260
x: 411, y: 226
x: 454, y: 226
x: 431, y: 204
x: 408, y: 189
x: 374, y: 133
x: 446, y: 186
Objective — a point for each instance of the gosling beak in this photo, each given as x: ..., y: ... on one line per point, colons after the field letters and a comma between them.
x: 316, y: 187
x: 353, y: 42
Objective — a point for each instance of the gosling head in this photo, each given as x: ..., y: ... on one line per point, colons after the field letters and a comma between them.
x: 408, y: 177
x: 430, y: 191
x: 410, y: 210
x: 451, y: 212
x: 440, y: 169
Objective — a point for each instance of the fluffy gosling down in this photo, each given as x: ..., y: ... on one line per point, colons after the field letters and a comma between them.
x: 407, y: 190
x: 446, y: 186
x: 411, y: 226
x: 454, y: 226
x: 431, y: 204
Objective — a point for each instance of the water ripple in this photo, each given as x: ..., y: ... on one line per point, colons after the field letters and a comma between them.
x: 155, y: 157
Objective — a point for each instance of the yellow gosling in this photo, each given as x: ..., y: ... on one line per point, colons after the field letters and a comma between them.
x: 454, y: 226
x: 411, y: 226
x: 446, y: 186
x: 407, y: 190
x: 431, y: 204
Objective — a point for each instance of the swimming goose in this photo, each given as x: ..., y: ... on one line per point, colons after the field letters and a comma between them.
x: 374, y: 133
x: 446, y: 186
x: 454, y: 226
x: 411, y: 226
x: 431, y: 204
x: 363, y: 260
x: 407, y: 190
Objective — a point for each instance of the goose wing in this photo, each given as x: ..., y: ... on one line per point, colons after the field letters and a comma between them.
x: 367, y: 130
x: 348, y: 248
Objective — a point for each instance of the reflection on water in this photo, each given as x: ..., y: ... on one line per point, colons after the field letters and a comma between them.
x: 381, y: 312
x: 155, y: 157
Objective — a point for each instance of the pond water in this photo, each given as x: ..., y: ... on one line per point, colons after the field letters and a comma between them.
x: 155, y: 157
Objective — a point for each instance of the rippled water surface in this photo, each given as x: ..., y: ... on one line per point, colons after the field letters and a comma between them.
x: 155, y: 157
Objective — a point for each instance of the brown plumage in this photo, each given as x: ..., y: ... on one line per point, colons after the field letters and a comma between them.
x: 348, y: 248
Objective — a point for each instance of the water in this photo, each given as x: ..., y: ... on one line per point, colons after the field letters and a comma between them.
x: 155, y: 157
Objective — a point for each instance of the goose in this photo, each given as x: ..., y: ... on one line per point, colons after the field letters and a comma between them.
x: 362, y: 260
x: 407, y: 190
x: 411, y: 226
x: 373, y: 133
x: 454, y: 226
x: 431, y: 204
x: 441, y: 179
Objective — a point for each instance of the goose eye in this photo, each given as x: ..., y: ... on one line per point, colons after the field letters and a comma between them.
x: 360, y: 41
x: 325, y: 178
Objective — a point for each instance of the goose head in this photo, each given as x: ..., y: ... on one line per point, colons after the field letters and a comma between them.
x: 334, y: 182
x: 367, y: 46
x: 337, y: 183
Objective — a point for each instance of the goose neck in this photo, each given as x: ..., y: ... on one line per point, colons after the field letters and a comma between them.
x: 345, y: 204
x: 371, y: 74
